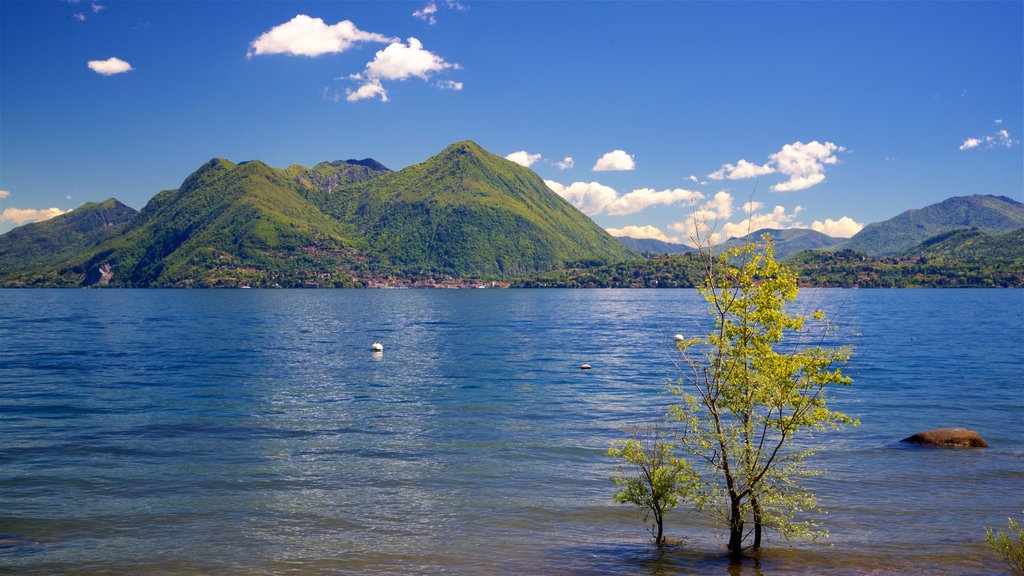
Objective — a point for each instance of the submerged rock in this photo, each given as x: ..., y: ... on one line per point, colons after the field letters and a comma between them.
x: 958, y: 437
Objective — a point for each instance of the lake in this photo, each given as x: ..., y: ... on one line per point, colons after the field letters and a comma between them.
x: 253, y: 432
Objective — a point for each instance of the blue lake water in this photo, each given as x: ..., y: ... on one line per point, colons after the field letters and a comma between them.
x: 253, y: 432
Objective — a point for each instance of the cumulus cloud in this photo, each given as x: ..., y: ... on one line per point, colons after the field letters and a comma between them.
x: 80, y: 16
x: 97, y: 8
x: 368, y: 89
x: 704, y: 219
x: 398, y: 61
x: 641, y: 198
x: 593, y: 198
x: 566, y: 163
x: 642, y: 232
x: 5, y: 194
x: 614, y: 160
x: 777, y: 219
x: 21, y: 216
x: 842, y: 228
x: 523, y: 158
x: 1001, y: 139
x: 307, y: 36
x: 740, y: 171
x: 110, y: 66
x: 752, y: 206
x: 590, y: 197
x: 804, y: 164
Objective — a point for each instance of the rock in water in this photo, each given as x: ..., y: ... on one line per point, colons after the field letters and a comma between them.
x: 958, y: 437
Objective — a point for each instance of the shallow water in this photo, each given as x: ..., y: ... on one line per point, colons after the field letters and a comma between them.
x: 253, y: 432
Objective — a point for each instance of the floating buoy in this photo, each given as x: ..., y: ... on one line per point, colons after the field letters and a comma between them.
x: 377, y: 347
x: 584, y: 366
x: 679, y: 338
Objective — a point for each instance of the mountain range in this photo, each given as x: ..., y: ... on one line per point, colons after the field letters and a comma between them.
x: 464, y: 213
x: 912, y: 232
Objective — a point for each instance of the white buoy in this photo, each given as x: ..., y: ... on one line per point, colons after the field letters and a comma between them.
x: 584, y: 366
x: 377, y: 347
x: 679, y: 338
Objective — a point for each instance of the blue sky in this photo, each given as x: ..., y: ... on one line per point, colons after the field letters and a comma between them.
x: 813, y: 114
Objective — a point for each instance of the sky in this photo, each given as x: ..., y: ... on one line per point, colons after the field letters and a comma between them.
x: 646, y: 116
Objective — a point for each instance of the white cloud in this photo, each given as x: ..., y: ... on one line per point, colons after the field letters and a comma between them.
x: 79, y: 16
x: 24, y: 215
x: 398, y: 61
x: 368, y: 89
x: 641, y: 198
x: 427, y: 13
x: 614, y: 160
x: 523, y: 158
x: 692, y: 178
x: 970, y: 143
x: 641, y: 232
x: 740, y: 171
x: 777, y: 219
x: 804, y: 164
x: 842, y: 228
x: 590, y: 197
x: 704, y: 219
x: 4, y: 194
x: 306, y: 36
x: 752, y: 206
x: 110, y: 66
x: 97, y: 8
x: 449, y: 85
x: 566, y: 163
x: 1001, y: 139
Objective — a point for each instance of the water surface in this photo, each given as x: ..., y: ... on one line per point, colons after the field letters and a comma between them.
x: 253, y: 432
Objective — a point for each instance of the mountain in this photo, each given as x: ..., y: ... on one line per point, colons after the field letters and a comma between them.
x: 652, y: 246
x: 467, y: 212
x: 971, y: 245
x: 464, y: 212
x: 58, y: 238
x: 227, y: 224
x: 788, y: 242
x: 994, y: 214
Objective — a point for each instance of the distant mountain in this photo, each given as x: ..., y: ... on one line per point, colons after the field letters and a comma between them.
x: 971, y: 245
x: 788, y: 242
x: 652, y: 246
x: 467, y: 212
x: 994, y: 214
x: 52, y: 240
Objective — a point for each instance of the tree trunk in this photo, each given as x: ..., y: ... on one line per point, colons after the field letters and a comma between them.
x: 757, y: 522
x: 735, y: 529
x: 660, y: 539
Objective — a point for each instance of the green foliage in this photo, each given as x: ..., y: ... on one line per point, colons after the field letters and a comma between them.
x: 1009, y: 545
x: 651, y: 476
x: 752, y: 385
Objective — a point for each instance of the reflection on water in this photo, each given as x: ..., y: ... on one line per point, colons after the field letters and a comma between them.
x: 254, y: 432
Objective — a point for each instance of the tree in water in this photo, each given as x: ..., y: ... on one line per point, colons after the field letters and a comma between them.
x: 652, y: 477
x: 752, y: 388
x: 1009, y: 544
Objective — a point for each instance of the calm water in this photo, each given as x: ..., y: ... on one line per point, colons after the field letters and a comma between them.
x: 252, y: 432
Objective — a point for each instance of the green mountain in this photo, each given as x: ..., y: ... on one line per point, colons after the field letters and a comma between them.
x: 788, y: 242
x: 467, y: 212
x: 971, y: 245
x: 79, y: 230
x: 653, y: 246
x: 995, y: 214
x: 228, y: 224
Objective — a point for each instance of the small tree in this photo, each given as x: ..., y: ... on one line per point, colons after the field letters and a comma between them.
x: 746, y: 396
x: 1003, y: 542
x: 657, y: 477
